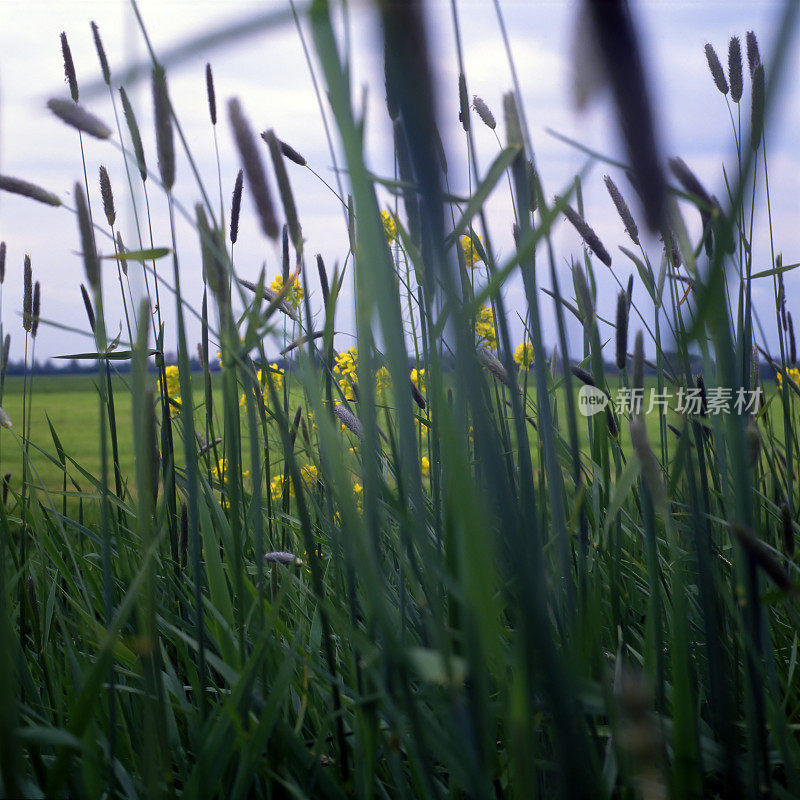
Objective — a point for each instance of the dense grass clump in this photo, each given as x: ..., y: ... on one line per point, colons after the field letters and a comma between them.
x: 413, y: 569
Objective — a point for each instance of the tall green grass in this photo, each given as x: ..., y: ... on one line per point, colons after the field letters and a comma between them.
x: 411, y: 568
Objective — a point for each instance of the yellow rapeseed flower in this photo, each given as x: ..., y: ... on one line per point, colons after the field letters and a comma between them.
x: 425, y: 466
x: 173, y: 388
x: 471, y: 256
x: 418, y: 378
x: 389, y: 227
x: 295, y: 294
x: 794, y: 374
x: 523, y: 355
x: 485, y: 329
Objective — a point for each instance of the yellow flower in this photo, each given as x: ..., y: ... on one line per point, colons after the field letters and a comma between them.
x: 173, y: 388
x: 471, y: 256
x: 276, y: 486
x: 310, y: 475
x: 222, y: 468
x: 346, y: 367
x: 383, y: 381
x: 389, y: 227
x: 425, y: 465
x: 275, y: 375
x: 358, y: 491
x: 418, y: 378
x: 485, y: 329
x: 794, y: 374
x: 523, y: 355
x: 295, y: 294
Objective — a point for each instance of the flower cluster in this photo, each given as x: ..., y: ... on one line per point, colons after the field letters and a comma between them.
x: 389, y: 227
x: 173, y: 388
x: 273, y: 374
x: 295, y: 293
x: 418, y: 378
x: 383, y: 382
x: 221, y: 470
x: 471, y: 255
x: 346, y: 368
x: 523, y: 355
x: 485, y: 329
x: 793, y: 373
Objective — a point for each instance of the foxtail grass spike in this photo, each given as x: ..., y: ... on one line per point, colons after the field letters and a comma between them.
x: 5, y: 422
x: 27, y: 294
x: 108, y: 196
x: 90, y: 261
x: 753, y: 56
x: 133, y: 130
x: 735, y: 69
x: 6, y: 349
x: 582, y: 375
x: 689, y: 180
x: 622, y: 209
x: 101, y: 54
x: 212, y: 97
x: 36, y: 307
x: 26, y: 189
x: 463, y: 102
x: 165, y: 146
x: 757, y: 107
x: 484, y: 112
x: 211, y: 248
x: 283, y: 557
x: 587, y: 234
x: 69, y: 67
x: 79, y: 118
x: 349, y: 420
x: 629, y: 290
x: 290, y: 153
x: 285, y: 191
x: 323, y: 279
x: 717, y: 73
x: 236, y: 206
x: 623, y: 310
x: 638, y: 362
x: 87, y: 304
x: 253, y: 168
x: 2, y: 262
x: 792, y: 344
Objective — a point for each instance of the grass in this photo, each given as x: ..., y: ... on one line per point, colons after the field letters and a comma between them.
x: 470, y: 590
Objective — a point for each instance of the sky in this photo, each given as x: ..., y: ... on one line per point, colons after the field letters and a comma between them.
x: 266, y: 69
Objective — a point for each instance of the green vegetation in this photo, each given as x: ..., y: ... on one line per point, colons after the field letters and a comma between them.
x: 353, y: 580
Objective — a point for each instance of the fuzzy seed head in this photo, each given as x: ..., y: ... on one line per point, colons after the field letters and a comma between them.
x: 212, y: 97
x: 90, y: 261
x: 285, y: 190
x: 26, y: 189
x: 236, y: 206
x: 79, y: 118
x: 133, y: 130
x: 101, y: 54
x: 349, y: 420
x: 623, y: 309
x: 735, y: 68
x: 753, y: 56
x: 463, y: 102
x: 2, y: 262
x: 253, y: 168
x: 165, y: 145
x: 587, y: 234
x: 622, y: 209
x: 290, y: 153
x: 27, y: 294
x: 638, y: 362
x: 69, y: 67
x: 484, y: 112
x: 108, y: 196
x: 717, y: 73
x: 36, y: 308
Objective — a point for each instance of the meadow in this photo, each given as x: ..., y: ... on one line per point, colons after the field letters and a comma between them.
x: 410, y: 567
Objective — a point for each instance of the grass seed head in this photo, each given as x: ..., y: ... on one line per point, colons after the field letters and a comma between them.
x: 584, y: 295
x: 484, y: 112
x: 587, y: 234
x: 87, y: 304
x: 735, y: 68
x: 323, y: 279
x: 90, y: 261
x: 253, y: 168
x: 101, y: 54
x: 463, y: 102
x: 623, y: 310
x: 236, y: 206
x: 285, y: 190
x: 638, y: 362
x: 212, y: 97
x: 30, y: 190
x: 165, y: 146
x: 69, y: 67
x: 27, y: 294
x: 792, y: 343
x: 753, y: 56
x: 349, y: 420
x: 292, y: 154
x: 133, y: 130
x: 79, y: 118
x: 36, y: 308
x: 2, y: 262
x: 108, y: 196
x: 622, y: 209
x: 717, y: 73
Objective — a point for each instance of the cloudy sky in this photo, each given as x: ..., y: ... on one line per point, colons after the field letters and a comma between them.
x: 267, y: 70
